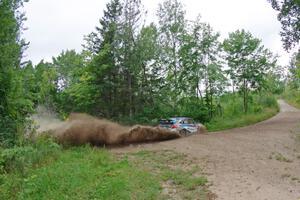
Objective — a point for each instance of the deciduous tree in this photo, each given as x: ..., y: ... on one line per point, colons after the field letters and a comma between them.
x: 289, y: 17
x: 248, y: 61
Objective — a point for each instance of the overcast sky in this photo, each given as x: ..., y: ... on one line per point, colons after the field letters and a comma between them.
x: 56, y: 25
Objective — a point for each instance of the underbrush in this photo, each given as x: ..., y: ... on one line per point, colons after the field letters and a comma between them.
x: 261, y: 107
x: 20, y: 159
x: 228, y: 111
x: 191, y: 107
x: 292, y: 96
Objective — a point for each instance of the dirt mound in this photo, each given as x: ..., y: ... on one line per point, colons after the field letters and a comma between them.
x: 82, y: 129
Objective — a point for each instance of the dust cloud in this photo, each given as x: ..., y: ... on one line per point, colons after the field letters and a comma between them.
x: 82, y: 129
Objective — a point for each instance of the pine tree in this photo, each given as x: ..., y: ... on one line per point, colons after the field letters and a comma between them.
x: 104, y: 66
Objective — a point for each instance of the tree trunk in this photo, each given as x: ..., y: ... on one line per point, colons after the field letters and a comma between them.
x: 211, y: 103
x: 233, y: 87
x: 129, y: 84
x: 245, y: 97
x: 200, y: 93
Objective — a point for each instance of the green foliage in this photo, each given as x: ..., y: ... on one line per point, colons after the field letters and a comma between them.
x: 138, y: 74
x: 194, y: 108
x: 185, y: 176
x: 180, y: 177
x: 248, y: 61
x: 30, y: 83
x: 261, y: 107
x: 73, y: 89
x: 69, y: 66
x: 15, y: 105
x: 20, y: 159
x: 292, y: 96
x: 172, y: 26
x: 274, y: 83
x: 8, y: 137
x: 291, y: 93
x: 79, y: 97
x: 294, y: 71
x: 93, y: 173
x: 289, y: 14
x: 201, y: 66
x: 268, y: 101
x: 46, y: 79
x: 81, y: 173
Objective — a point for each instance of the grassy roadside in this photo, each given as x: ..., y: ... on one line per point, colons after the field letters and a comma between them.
x: 93, y: 173
x: 293, y: 103
x: 179, y: 175
x: 260, y: 108
x: 292, y: 97
x: 219, y: 124
x: 46, y: 170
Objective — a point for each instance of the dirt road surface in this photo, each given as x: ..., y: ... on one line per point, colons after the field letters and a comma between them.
x: 258, y: 162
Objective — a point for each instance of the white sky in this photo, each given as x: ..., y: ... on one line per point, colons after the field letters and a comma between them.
x: 56, y: 25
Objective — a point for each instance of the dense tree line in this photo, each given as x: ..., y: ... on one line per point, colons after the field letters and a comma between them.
x: 14, y: 100
x: 293, y: 78
x: 132, y: 71
x: 289, y: 17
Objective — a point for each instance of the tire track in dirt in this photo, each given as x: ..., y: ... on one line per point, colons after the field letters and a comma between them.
x: 258, y: 162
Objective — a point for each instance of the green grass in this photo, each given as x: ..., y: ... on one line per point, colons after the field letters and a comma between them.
x: 292, y: 97
x: 93, y: 173
x: 279, y: 157
x: 260, y: 108
x: 175, y: 171
x: 293, y: 103
x: 81, y: 173
x: 223, y: 123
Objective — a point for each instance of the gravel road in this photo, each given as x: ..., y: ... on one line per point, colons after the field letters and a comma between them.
x: 258, y: 162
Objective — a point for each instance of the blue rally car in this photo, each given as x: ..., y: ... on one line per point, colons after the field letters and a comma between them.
x: 184, y: 125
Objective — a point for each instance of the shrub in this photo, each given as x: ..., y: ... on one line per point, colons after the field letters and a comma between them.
x: 193, y: 107
x: 8, y: 134
x: 20, y: 158
x: 261, y: 107
x: 268, y: 101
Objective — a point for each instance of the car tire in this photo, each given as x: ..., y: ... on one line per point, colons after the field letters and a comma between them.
x: 184, y: 132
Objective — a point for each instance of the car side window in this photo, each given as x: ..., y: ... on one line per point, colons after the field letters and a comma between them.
x: 187, y: 121
x: 190, y: 121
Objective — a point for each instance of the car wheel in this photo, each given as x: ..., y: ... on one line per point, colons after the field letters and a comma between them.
x: 184, y: 132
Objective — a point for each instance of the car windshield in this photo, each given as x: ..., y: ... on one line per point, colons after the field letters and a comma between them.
x: 175, y: 119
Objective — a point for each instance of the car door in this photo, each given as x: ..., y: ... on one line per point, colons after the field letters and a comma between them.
x: 189, y: 125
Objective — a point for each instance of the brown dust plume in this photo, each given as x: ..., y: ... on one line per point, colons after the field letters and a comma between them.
x: 85, y: 129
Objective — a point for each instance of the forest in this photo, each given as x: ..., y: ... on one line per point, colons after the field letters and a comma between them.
x: 131, y: 71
